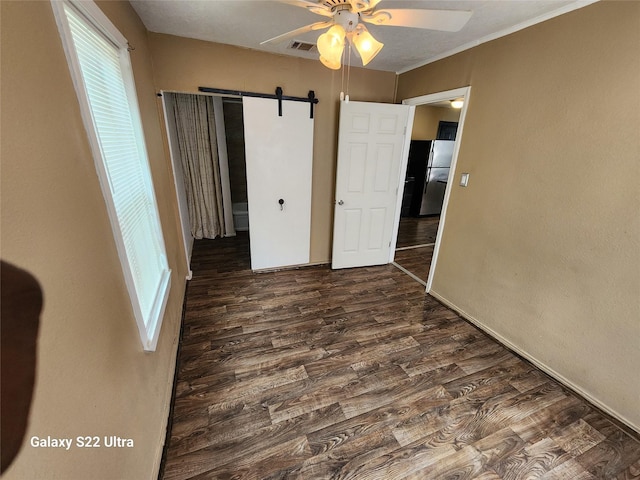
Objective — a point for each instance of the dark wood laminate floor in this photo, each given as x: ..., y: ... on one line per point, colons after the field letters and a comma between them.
x: 356, y: 374
x: 417, y: 231
x: 411, y: 252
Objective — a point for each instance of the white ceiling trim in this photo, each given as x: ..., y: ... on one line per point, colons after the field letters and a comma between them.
x: 502, y: 33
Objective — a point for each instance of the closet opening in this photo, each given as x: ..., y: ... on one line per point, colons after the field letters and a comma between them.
x: 244, y: 164
x: 206, y: 142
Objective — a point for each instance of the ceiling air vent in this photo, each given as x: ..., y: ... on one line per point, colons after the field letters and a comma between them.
x: 304, y: 46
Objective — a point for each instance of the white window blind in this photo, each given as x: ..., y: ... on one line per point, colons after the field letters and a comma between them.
x: 99, y: 60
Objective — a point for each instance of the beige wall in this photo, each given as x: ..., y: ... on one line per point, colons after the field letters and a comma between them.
x: 427, y: 118
x: 543, y: 246
x: 182, y: 64
x: 92, y: 377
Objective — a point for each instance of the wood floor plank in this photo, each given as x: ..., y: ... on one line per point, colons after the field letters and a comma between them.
x: 464, y: 464
x: 359, y: 354
x: 545, y: 422
x: 397, y: 464
x: 347, y: 459
x: 569, y: 470
x: 251, y: 466
x: 499, y: 445
x: 532, y: 461
x: 494, y: 374
x: 610, y: 457
x: 487, y: 474
x: 308, y: 395
x: 435, y: 359
x: 223, y: 428
x: 631, y: 472
x: 578, y: 437
x: 356, y: 374
x: 393, y: 389
x: 463, y: 421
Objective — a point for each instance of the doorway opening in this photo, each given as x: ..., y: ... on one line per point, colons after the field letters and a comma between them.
x: 435, y: 142
x: 229, y: 143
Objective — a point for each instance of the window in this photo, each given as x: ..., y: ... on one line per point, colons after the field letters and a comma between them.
x: 101, y: 70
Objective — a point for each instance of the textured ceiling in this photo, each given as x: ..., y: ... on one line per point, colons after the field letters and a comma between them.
x: 246, y: 23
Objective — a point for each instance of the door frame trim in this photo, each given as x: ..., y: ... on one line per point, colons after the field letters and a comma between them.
x: 425, y: 100
x: 404, y: 161
x: 176, y: 170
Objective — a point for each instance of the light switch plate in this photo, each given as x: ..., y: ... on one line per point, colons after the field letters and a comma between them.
x: 464, y: 179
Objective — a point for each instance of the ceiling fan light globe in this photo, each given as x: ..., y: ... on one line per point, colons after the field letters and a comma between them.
x: 367, y: 46
x: 331, y: 42
x: 331, y: 63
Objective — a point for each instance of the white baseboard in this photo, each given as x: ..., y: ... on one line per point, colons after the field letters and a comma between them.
x: 541, y: 365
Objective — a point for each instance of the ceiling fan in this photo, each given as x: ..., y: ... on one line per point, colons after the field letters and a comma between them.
x: 346, y: 22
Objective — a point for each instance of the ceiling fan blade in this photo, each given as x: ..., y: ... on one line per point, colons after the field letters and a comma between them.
x: 358, y: 6
x: 298, y: 31
x: 444, y: 20
x: 373, y: 3
x: 313, y: 7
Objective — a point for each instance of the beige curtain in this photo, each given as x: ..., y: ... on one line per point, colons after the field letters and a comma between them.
x: 196, y: 132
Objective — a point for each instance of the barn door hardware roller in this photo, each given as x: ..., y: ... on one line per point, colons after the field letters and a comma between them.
x: 279, y: 95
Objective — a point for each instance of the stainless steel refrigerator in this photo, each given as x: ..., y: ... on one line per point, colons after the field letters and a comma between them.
x: 435, y: 181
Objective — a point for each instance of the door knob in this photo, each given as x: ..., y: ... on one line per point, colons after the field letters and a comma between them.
x: 340, y: 202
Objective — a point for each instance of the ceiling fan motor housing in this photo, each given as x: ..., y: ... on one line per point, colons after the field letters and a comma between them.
x: 347, y: 20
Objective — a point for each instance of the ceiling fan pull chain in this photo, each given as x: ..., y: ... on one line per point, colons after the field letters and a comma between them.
x: 342, y: 76
x: 348, y: 72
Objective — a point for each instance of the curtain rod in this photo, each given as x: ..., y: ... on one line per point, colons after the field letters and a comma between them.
x: 310, y: 98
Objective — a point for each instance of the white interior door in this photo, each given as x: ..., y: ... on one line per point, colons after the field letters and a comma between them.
x: 371, y: 153
x: 279, y: 154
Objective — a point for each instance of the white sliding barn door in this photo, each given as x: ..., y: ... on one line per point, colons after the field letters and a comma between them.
x: 371, y: 152
x: 279, y: 153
